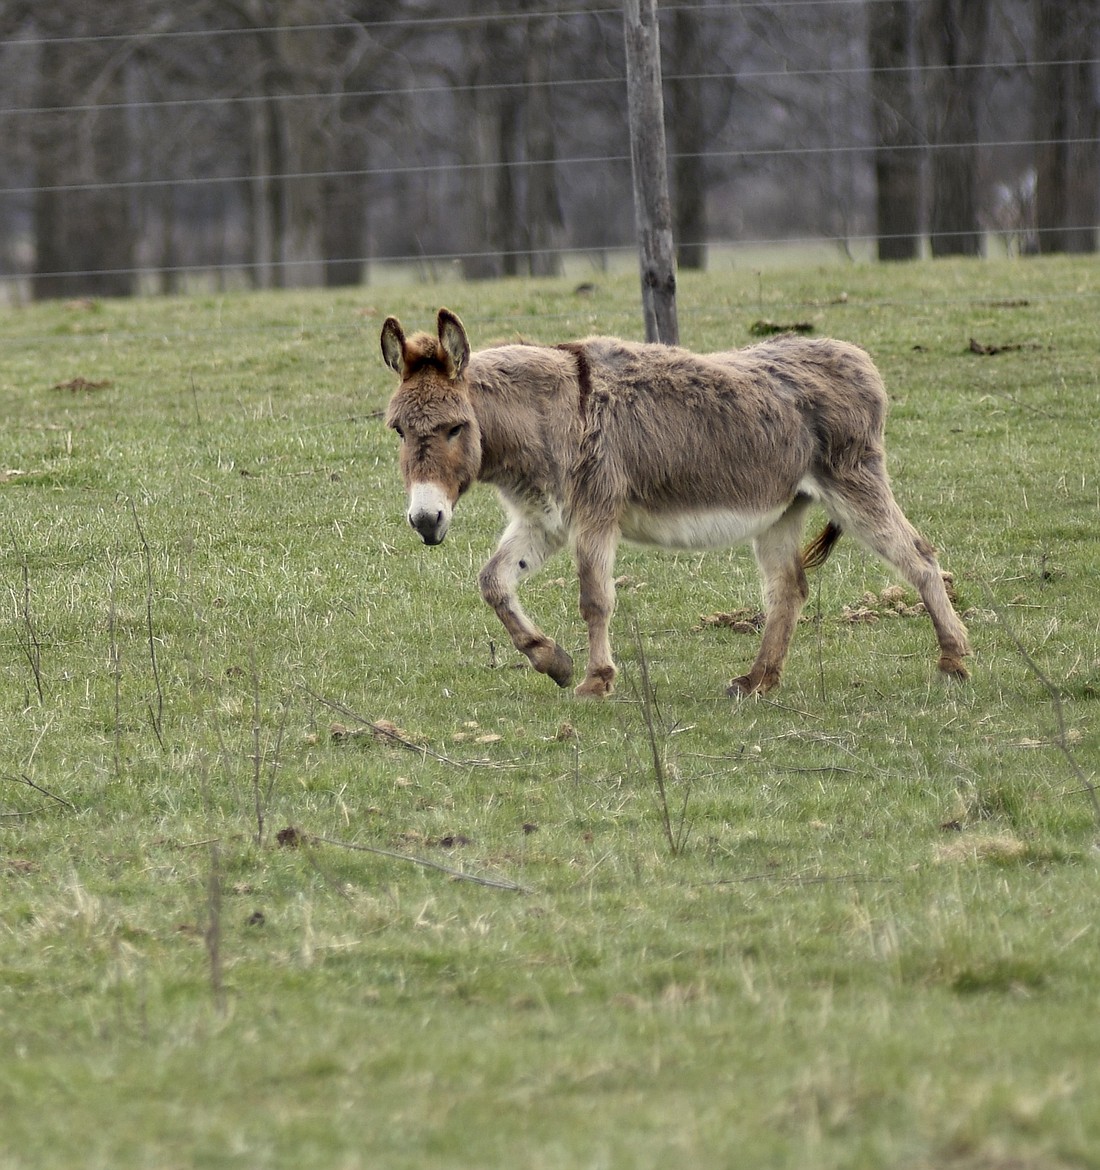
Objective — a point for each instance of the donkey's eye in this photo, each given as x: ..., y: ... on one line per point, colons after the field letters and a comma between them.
x: 456, y: 430
x: 400, y: 432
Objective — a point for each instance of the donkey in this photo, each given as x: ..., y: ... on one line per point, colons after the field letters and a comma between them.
x: 599, y: 440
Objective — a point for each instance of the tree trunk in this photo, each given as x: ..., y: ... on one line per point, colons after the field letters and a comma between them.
x: 894, y: 113
x: 1067, y: 119
x: 85, y: 238
x: 544, y: 215
x: 490, y: 122
x: 953, y: 37
x: 689, y: 168
x: 652, y: 209
x: 344, y: 225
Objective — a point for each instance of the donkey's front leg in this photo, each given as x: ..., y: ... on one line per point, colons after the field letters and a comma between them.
x: 595, y: 560
x: 522, y: 549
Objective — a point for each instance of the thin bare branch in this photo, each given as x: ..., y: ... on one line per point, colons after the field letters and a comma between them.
x: 384, y: 732
x: 156, y: 711
x: 461, y: 875
x: 32, y: 646
x: 1061, y: 738
x: 23, y: 778
x: 675, y: 834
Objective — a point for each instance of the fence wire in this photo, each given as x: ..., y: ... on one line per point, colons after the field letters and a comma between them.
x: 163, y: 158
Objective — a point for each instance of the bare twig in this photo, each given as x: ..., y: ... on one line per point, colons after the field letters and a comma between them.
x: 32, y: 646
x: 261, y: 792
x: 23, y: 778
x: 114, y: 660
x: 391, y: 735
x: 276, y: 753
x: 195, y: 399
x: 212, y: 934
x: 675, y: 834
x: 257, y: 755
x: 1061, y: 739
x: 156, y: 712
x: 819, y: 622
x: 800, y: 879
x: 477, y: 879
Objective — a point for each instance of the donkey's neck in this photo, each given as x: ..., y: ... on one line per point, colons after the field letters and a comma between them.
x: 526, y: 401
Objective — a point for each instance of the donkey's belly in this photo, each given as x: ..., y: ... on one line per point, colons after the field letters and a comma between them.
x: 696, y: 528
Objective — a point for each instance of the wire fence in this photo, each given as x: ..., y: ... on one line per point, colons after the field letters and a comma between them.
x: 160, y: 158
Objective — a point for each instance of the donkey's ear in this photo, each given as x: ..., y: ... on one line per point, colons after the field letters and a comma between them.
x: 453, y: 339
x: 393, y: 345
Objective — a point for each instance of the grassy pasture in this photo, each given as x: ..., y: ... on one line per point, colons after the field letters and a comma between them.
x: 867, y: 935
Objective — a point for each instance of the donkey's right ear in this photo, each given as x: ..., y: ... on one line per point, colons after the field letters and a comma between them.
x: 393, y: 345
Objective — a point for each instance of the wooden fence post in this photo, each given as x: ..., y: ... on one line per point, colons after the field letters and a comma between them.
x: 652, y: 208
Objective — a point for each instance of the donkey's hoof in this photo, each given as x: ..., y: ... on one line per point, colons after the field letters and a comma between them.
x: 561, y: 669
x: 953, y: 667
x: 552, y: 660
x: 596, y: 686
x: 746, y: 685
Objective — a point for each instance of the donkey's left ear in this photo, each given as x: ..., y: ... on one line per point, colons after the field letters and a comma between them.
x: 453, y: 339
x: 393, y: 345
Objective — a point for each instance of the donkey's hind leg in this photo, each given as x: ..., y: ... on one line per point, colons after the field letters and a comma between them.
x: 873, y: 517
x: 522, y: 549
x: 779, y: 558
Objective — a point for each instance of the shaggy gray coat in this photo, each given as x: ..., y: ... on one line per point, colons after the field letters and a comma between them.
x: 601, y: 439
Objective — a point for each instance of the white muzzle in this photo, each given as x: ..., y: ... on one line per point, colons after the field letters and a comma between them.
x: 429, y: 511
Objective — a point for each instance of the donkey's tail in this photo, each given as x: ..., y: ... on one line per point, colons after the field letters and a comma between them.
x: 816, y: 553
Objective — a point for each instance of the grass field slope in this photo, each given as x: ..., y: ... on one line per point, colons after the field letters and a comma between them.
x: 300, y: 867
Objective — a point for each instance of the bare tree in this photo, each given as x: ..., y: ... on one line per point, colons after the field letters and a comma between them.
x: 140, y: 148
x: 544, y: 219
x: 953, y: 36
x: 688, y: 128
x: 84, y: 227
x: 1067, y: 122
x: 890, y: 37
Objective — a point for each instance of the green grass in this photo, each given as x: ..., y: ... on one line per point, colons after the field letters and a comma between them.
x: 878, y: 946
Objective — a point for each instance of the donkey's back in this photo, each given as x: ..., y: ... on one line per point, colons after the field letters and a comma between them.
x: 669, y: 430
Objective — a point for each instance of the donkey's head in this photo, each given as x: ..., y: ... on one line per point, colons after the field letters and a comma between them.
x: 432, y: 414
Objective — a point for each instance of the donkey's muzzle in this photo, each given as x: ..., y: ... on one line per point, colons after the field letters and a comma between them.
x: 429, y: 512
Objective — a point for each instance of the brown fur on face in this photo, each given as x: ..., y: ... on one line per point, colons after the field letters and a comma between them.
x: 431, y: 411
x: 600, y: 440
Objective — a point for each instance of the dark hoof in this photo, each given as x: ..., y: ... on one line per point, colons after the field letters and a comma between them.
x: 561, y: 667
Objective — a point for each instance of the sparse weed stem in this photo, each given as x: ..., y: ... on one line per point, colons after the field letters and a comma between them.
x: 212, y: 931
x: 257, y: 753
x: 32, y: 643
x: 676, y: 828
x: 265, y: 760
x: 819, y: 640
x: 114, y: 661
x: 156, y: 706
x: 1061, y: 738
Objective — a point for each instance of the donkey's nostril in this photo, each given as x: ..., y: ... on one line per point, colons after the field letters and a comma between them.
x: 431, y: 526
